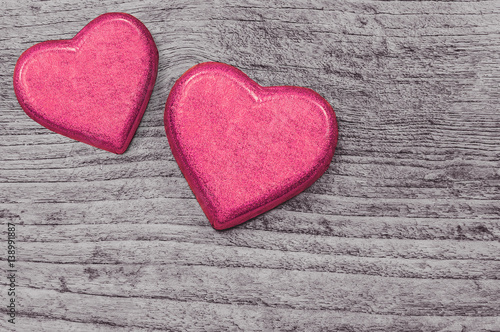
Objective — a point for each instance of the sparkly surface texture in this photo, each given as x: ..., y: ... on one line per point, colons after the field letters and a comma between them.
x: 93, y: 88
x: 244, y: 148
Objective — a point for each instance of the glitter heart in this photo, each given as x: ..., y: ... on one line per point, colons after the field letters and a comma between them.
x: 244, y: 148
x: 93, y: 88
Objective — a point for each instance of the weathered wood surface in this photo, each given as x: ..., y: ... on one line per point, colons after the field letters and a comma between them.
x: 401, y: 233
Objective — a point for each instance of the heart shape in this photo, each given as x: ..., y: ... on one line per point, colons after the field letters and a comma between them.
x: 93, y: 88
x: 244, y: 148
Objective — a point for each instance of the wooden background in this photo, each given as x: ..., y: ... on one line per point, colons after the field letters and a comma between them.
x: 400, y: 234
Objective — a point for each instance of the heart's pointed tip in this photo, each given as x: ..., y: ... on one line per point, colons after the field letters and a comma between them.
x: 219, y: 226
x: 120, y: 150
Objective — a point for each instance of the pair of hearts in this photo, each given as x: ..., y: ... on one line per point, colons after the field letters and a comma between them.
x: 243, y: 148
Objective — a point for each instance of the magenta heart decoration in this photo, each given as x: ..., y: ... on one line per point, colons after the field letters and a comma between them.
x: 93, y: 88
x: 244, y: 148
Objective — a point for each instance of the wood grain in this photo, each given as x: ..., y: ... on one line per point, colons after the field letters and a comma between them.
x: 402, y: 233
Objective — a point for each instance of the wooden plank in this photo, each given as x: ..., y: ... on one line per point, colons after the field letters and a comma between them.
x: 402, y: 233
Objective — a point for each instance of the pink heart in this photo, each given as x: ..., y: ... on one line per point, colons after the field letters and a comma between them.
x: 93, y: 88
x: 244, y: 148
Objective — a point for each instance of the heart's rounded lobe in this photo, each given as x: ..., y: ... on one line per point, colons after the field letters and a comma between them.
x: 93, y: 88
x: 244, y: 148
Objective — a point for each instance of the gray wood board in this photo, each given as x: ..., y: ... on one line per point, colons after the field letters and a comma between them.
x: 400, y: 234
